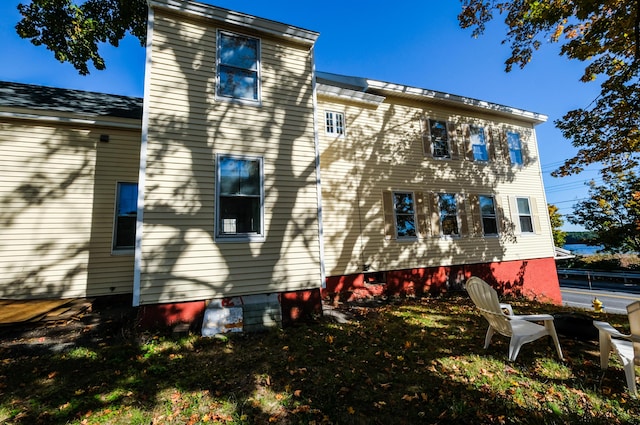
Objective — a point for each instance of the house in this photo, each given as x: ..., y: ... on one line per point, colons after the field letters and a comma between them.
x: 421, y: 189
x: 245, y: 182
x: 67, y: 155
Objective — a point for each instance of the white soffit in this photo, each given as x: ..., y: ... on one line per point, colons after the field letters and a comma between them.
x: 231, y: 17
x: 340, y: 93
x: 454, y: 100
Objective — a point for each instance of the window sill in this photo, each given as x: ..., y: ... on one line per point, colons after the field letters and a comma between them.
x: 237, y: 239
x: 243, y: 102
x: 120, y: 252
x: 405, y: 239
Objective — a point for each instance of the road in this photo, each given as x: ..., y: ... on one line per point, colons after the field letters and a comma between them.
x: 614, y: 296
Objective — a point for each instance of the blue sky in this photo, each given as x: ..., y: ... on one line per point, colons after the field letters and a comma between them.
x: 418, y: 43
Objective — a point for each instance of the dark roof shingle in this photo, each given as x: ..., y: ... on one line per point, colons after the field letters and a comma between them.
x: 19, y: 95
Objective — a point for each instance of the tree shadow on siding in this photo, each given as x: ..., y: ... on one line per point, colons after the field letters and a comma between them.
x: 49, y: 252
x: 383, y: 152
x: 182, y: 200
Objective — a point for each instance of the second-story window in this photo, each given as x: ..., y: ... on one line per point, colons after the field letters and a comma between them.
x: 478, y: 143
x: 439, y: 139
x: 334, y: 123
x: 515, y: 148
x: 238, y: 67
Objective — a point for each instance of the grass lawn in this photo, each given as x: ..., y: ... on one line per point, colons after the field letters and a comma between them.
x: 400, y: 362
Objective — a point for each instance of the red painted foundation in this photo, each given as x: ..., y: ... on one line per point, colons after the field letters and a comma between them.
x: 168, y: 315
x: 533, y: 279
x: 298, y: 306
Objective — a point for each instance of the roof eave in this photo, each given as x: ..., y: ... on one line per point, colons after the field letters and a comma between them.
x: 72, y: 119
x: 340, y: 93
x: 238, y: 19
x: 454, y: 100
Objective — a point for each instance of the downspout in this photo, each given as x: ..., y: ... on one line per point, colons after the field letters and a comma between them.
x: 318, y: 181
x: 143, y: 160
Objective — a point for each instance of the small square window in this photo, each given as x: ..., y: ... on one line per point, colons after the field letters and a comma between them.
x: 238, y: 67
x: 334, y: 123
x: 124, y: 234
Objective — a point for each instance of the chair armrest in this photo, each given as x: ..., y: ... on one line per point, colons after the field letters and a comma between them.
x: 505, y: 306
x: 534, y: 317
x: 606, y: 327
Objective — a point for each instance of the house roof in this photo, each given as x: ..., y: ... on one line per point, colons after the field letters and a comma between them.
x: 54, y: 99
x: 102, y: 105
x: 381, y: 88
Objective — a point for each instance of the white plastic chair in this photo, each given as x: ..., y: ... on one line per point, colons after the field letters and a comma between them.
x: 627, y: 347
x: 521, y: 329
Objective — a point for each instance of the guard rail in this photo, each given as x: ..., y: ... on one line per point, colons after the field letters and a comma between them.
x: 622, y: 276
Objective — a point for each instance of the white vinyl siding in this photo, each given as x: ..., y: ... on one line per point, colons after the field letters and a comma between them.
x: 181, y: 259
x: 386, y: 149
x: 58, y: 192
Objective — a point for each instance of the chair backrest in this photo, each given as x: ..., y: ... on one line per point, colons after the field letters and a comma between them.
x: 633, y: 312
x: 486, y: 300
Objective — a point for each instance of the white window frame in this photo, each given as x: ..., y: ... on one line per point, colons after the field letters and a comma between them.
x: 334, y: 123
x: 514, y: 143
x: 444, y: 214
x: 220, y: 224
x: 478, y: 139
x: 220, y: 65
x: 522, y: 215
x: 493, y: 216
x: 123, y: 249
x: 411, y: 214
